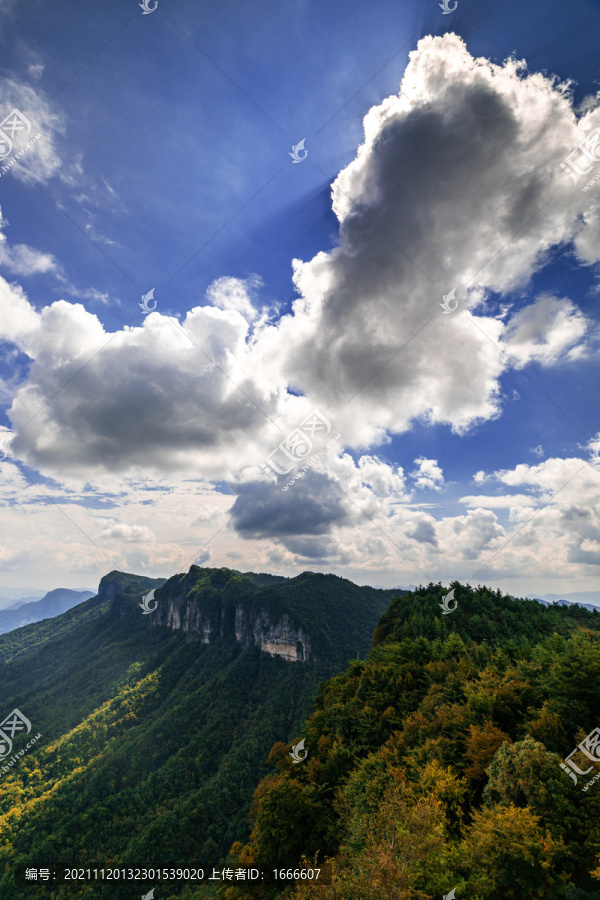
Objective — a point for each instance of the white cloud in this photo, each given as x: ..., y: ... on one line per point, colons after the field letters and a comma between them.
x: 422, y: 529
x: 498, y: 501
x: 88, y: 294
x: 556, y: 522
x: 428, y: 474
x: 367, y: 329
x: 552, y: 531
x: 67, y: 534
x: 23, y: 260
x: 20, y: 259
x: 545, y: 331
x: 593, y: 446
x: 5, y: 437
x: 467, y: 538
x: 161, y: 396
x: 235, y: 293
x: 35, y: 71
x: 124, y: 532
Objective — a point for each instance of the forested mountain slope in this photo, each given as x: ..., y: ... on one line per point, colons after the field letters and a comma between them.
x: 434, y: 764
x: 156, y: 727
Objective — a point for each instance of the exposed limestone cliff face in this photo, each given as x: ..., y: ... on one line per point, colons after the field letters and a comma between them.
x: 222, y: 607
x: 279, y: 639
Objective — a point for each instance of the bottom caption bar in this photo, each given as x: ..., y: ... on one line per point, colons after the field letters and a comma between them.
x: 60, y: 875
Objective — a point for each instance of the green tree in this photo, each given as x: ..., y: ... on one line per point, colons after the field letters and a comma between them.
x: 507, y: 856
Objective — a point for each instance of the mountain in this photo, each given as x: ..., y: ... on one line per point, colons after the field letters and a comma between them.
x: 313, y: 617
x: 402, y: 589
x: 588, y: 599
x: 591, y: 606
x: 155, y: 728
x: 9, y: 596
x: 438, y: 762
x: 585, y: 598
x: 51, y: 604
x: 7, y: 603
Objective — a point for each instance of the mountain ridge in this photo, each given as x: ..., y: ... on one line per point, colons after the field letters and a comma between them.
x: 143, y: 717
x: 51, y: 604
x: 283, y: 617
x: 589, y: 599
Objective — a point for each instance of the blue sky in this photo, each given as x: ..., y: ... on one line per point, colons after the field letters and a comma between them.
x: 163, y: 163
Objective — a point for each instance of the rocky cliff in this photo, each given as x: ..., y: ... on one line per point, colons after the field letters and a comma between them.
x: 208, y: 603
x: 280, y: 638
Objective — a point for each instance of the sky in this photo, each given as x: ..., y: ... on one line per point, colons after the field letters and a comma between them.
x: 298, y: 286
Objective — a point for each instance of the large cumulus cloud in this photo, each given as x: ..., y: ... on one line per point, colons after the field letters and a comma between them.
x: 160, y: 395
x: 457, y: 185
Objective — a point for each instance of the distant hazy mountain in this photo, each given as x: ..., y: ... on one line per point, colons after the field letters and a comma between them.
x: 52, y: 604
x: 11, y: 596
x: 381, y: 587
x: 588, y: 599
x: 7, y: 603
